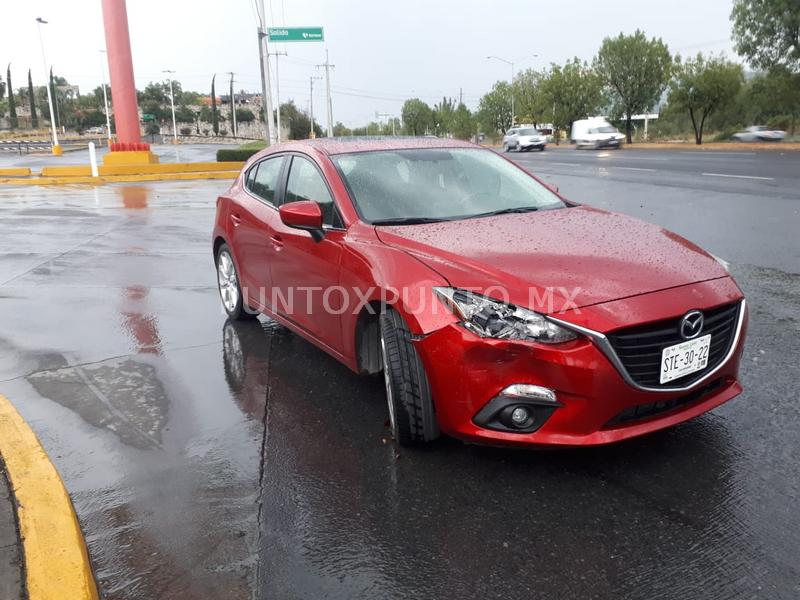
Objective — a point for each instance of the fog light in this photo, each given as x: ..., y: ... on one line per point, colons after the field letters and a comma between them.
x: 520, y: 416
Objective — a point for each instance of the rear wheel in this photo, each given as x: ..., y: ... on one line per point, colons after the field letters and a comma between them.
x: 408, y: 395
x: 230, y: 292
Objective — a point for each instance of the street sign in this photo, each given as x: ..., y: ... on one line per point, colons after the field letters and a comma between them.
x: 295, y: 34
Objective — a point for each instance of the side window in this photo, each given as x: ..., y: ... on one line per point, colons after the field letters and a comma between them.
x: 305, y: 183
x: 262, y: 179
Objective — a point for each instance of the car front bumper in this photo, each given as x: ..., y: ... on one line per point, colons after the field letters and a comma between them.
x: 594, y: 402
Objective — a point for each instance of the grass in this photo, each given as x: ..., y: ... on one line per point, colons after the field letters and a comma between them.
x: 254, y: 145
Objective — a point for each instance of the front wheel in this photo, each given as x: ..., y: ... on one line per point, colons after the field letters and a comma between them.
x: 230, y: 292
x: 505, y: 147
x: 408, y: 394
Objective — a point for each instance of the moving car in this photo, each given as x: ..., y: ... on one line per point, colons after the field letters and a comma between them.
x: 497, y: 311
x: 759, y: 133
x: 524, y: 139
x: 595, y: 133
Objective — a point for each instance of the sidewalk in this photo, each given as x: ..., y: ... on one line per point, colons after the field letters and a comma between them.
x: 10, y: 544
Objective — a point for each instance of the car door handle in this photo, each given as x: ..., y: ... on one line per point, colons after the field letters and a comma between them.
x: 277, y: 241
x: 236, y: 219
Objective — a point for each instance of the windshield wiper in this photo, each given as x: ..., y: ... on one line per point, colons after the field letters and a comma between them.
x: 408, y: 221
x: 506, y: 211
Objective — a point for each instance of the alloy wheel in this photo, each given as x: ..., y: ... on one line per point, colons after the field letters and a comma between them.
x: 228, y: 284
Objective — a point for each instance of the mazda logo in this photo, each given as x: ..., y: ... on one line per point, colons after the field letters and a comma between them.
x: 691, y: 324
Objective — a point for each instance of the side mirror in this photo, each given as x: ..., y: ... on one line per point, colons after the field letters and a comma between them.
x: 303, y: 214
x: 552, y: 187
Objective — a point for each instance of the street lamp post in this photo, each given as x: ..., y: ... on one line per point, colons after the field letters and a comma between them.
x: 56, y: 148
x: 105, y: 95
x: 511, y: 63
x: 172, y: 102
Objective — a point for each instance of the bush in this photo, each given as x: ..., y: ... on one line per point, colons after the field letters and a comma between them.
x: 726, y: 134
x: 152, y: 128
x: 235, y: 154
x: 223, y: 132
x: 186, y: 131
x: 780, y: 122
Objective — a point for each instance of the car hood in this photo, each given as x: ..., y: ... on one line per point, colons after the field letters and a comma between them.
x: 545, y: 259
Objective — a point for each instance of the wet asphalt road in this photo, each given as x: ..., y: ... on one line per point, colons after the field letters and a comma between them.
x: 208, y: 459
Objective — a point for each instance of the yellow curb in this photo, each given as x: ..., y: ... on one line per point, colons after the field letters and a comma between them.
x: 16, y: 172
x: 86, y: 171
x: 56, y: 561
x: 121, y: 178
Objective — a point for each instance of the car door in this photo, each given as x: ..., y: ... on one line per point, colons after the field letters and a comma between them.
x: 252, y: 220
x: 304, y: 271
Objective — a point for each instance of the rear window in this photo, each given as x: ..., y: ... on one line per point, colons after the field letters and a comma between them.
x: 528, y: 132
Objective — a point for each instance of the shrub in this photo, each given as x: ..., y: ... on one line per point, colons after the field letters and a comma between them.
x: 726, y: 134
x: 152, y: 128
x: 780, y: 122
x: 235, y: 154
x: 223, y: 132
x: 186, y: 131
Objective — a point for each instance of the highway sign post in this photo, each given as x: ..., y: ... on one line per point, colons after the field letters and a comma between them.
x: 295, y: 34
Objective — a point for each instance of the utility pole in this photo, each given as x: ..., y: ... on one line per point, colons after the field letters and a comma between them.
x: 105, y: 95
x: 311, y: 79
x: 263, y: 60
x: 278, y: 89
x: 172, y: 102
x: 233, y: 107
x: 56, y: 149
x: 328, y: 66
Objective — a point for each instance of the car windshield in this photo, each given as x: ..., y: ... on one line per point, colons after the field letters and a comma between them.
x: 607, y: 129
x: 528, y: 132
x: 395, y: 186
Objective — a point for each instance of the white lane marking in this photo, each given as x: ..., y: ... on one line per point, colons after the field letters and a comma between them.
x: 738, y: 176
x: 563, y: 164
x: 632, y: 168
x: 701, y: 152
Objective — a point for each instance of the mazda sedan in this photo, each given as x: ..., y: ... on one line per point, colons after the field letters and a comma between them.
x: 497, y: 311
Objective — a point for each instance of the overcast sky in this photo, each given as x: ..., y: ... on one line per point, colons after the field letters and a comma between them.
x: 384, y: 51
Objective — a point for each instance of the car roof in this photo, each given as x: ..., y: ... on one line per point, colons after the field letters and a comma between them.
x: 347, y: 145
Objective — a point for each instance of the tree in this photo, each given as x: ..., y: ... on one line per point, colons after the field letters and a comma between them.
x: 299, y: 123
x: 233, y: 109
x: 32, y: 101
x: 767, y: 32
x: 494, y: 108
x: 463, y: 126
x: 214, y: 117
x: 417, y: 116
x: 12, y: 105
x: 572, y: 92
x: 244, y: 115
x: 442, y: 116
x: 184, y: 114
x: 775, y: 95
x: 636, y: 71
x: 529, y: 97
x: 339, y: 130
x: 703, y: 86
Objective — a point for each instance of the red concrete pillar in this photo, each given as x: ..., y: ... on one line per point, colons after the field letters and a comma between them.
x: 120, y: 66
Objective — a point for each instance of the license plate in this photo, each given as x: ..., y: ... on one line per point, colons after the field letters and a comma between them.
x: 684, y: 358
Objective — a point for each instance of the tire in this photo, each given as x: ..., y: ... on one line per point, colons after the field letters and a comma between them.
x: 408, y: 394
x: 506, y: 148
x: 230, y: 292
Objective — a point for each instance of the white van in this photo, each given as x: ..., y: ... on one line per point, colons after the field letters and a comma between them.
x: 595, y: 133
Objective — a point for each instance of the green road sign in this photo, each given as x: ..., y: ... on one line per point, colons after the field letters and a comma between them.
x: 295, y: 34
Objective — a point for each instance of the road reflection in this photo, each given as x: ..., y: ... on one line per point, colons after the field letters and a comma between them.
x: 346, y: 515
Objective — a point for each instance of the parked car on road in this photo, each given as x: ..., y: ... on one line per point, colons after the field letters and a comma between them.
x: 96, y: 130
x: 524, y: 139
x: 497, y: 311
x: 595, y: 133
x: 759, y: 133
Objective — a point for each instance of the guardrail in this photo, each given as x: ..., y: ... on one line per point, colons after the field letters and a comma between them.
x: 27, y: 146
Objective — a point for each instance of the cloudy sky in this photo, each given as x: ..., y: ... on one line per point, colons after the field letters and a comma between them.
x: 384, y: 51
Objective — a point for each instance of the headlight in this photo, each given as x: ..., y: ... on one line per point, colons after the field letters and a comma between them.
x: 494, y: 319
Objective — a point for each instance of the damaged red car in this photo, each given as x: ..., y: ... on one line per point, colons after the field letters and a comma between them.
x: 498, y: 311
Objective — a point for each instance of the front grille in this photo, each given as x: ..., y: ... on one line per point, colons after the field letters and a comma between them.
x: 639, y: 348
x: 647, y: 411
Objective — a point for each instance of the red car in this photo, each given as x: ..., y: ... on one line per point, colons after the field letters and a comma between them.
x: 498, y: 311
